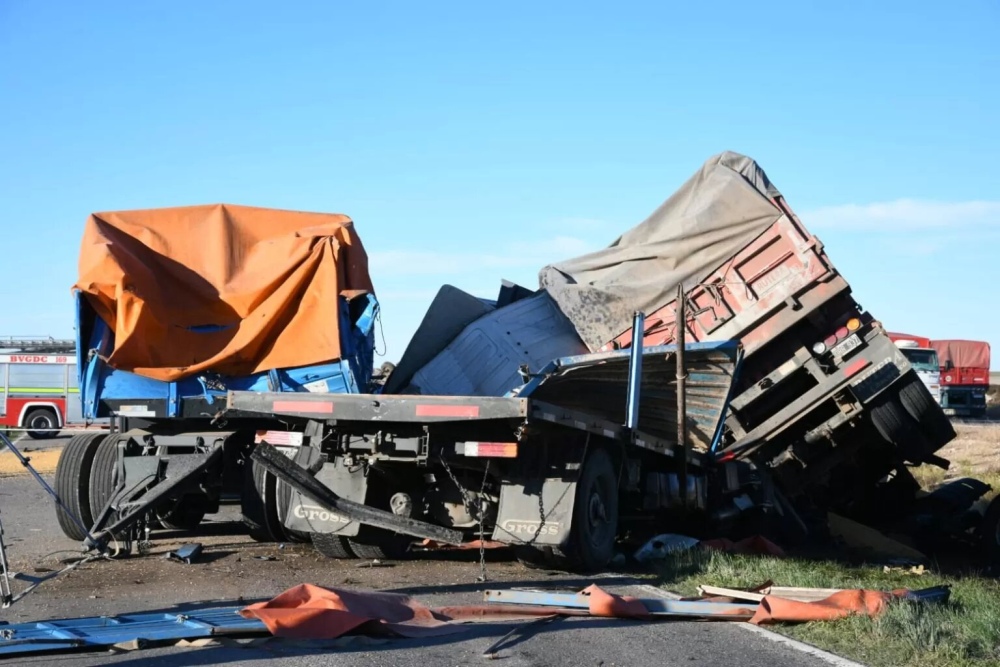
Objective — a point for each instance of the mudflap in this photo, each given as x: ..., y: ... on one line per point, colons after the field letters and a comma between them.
x: 538, y: 510
x: 350, y: 483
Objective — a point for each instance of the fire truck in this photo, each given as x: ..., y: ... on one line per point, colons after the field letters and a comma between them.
x: 38, y: 385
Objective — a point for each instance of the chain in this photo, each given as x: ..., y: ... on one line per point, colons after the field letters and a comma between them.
x: 482, y: 534
x: 468, y: 508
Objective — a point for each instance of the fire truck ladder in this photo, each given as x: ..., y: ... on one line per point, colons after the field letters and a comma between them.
x: 37, y: 344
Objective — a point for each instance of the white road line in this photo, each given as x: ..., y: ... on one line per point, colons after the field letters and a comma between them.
x: 825, y: 656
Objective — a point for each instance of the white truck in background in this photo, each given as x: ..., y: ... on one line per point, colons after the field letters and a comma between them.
x: 923, y: 358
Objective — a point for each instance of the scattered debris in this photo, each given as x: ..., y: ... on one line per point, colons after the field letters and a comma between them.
x: 865, y: 539
x: 185, y: 554
x: 661, y: 546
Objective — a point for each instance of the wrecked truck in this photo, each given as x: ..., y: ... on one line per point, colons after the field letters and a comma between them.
x: 826, y: 405
x: 559, y: 421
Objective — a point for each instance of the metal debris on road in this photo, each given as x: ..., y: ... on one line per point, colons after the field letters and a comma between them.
x: 185, y: 554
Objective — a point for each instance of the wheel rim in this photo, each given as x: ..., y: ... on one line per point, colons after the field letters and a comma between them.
x: 598, y: 521
x: 41, y: 422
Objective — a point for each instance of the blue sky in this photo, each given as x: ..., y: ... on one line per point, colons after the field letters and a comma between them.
x: 477, y: 141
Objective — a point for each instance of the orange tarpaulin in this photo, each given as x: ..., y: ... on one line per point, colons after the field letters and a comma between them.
x: 842, y: 604
x: 262, y: 285
x: 311, y: 612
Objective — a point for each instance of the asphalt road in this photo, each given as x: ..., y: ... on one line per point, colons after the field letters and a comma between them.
x: 235, y: 569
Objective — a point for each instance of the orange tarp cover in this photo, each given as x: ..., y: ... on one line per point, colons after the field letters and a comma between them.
x: 264, y: 282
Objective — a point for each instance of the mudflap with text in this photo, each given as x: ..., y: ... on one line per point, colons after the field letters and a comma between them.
x: 537, y: 510
x: 348, y: 482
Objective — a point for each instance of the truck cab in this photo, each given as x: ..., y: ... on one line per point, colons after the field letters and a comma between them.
x: 923, y: 359
x: 925, y: 362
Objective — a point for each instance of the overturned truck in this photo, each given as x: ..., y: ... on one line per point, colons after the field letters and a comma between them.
x: 233, y: 349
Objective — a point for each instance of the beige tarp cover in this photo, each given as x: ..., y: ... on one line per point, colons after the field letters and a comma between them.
x: 263, y: 283
x: 716, y: 213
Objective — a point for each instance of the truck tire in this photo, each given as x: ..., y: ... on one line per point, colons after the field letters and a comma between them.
x: 989, y: 534
x: 595, y: 515
x: 259, y: 504
x: 102, y: 475
x: 39, y: 423
x: 185, y: 514
x: 897, y: 427
x: 332, y: 546
x: 377, y: 543
x: 919, y: 403
x: 72, y: 484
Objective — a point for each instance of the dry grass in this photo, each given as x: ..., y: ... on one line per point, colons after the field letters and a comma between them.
x: 974, y: 453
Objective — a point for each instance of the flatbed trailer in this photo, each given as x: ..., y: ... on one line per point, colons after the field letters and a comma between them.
x: 582, y: 457
x: 589, y: 452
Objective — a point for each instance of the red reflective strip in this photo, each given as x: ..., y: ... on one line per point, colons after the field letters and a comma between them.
x: 302, y: 406
x: 506, y: 450
x: 447, y: 410
x: 855, y: 367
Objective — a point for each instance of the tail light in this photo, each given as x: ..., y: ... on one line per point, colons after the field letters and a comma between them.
x: 842, y: 332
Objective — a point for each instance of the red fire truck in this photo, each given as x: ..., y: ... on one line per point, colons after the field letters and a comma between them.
x: 38, y: 385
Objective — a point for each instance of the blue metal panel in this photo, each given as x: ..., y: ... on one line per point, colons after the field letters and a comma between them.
x: 102, y: 631
x: 655, y: 606
x: 350, y: 374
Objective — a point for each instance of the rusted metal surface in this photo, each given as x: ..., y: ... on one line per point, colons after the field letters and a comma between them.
x: 760, y: 293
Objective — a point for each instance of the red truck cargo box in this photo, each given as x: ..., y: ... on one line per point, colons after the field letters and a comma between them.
x: 758, y: 294
x: 970, y: 362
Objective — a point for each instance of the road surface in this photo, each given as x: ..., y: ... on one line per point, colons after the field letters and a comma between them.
x: 235, y: 569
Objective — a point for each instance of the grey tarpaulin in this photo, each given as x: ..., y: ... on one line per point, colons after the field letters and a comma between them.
x: 718, y: 211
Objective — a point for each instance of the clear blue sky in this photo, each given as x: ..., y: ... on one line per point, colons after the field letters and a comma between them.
x: 477, y: 141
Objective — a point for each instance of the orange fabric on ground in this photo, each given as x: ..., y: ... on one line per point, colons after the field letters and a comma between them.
x: 839, y: 605
x: 607, y: 604
x: 264, y: 282
x: 311, y: 612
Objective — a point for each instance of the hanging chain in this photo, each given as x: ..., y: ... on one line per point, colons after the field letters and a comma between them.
x: 478, y: 513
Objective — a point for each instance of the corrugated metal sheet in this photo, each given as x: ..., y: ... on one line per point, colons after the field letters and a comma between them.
x: 484, y: 359
x: 598, y: 384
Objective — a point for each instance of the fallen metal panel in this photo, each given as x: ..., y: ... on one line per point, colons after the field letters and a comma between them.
x: 450, y: 312
x: 484, y: 360
x: 656, y: 606
x: 104, y: 631
x: 597, y: 384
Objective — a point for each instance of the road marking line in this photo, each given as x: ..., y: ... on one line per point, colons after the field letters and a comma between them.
x: 802, y: 647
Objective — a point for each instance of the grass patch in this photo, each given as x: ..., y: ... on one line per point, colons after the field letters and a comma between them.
x: 963, y: 632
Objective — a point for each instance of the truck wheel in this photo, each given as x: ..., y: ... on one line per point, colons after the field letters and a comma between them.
x: 39, y: 421
x: 260, y: 504
x: 989, y: 533
x: 896, y: 426
x: 377, y: 543
x: 102, y: 476
x: 72, y: 484
x: 595, y: 515
x: 184, y: 514
x: 921, y: 406
x: 332, y: 546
